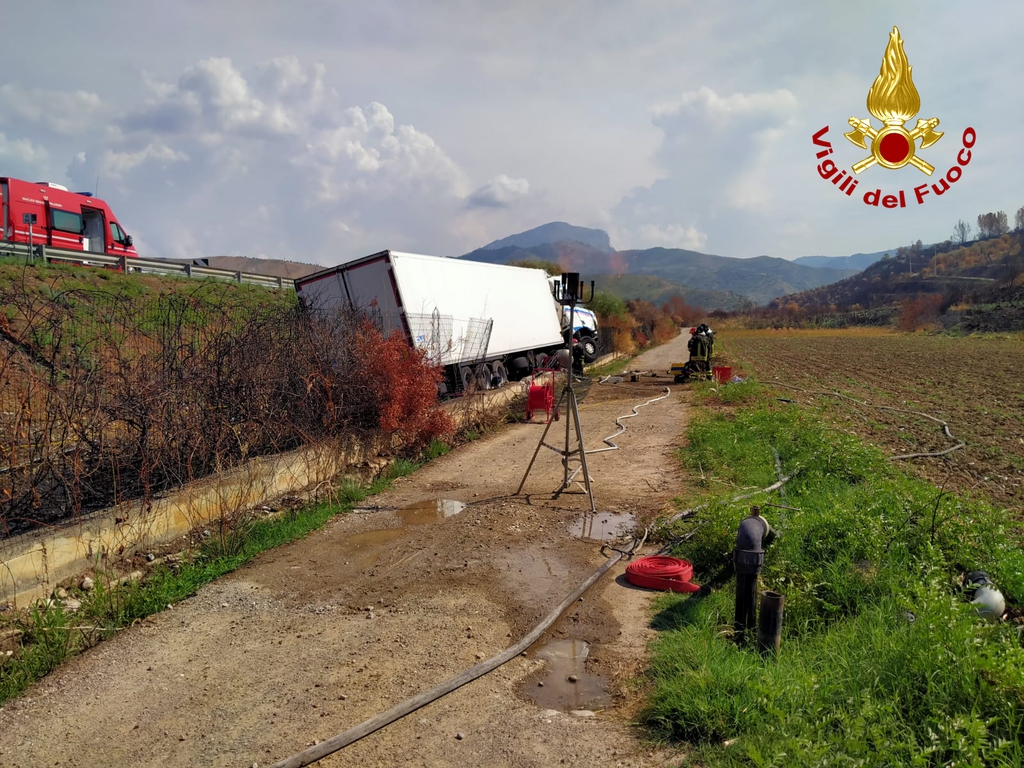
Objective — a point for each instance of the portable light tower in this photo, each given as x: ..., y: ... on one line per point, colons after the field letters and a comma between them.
x: 571, y: 293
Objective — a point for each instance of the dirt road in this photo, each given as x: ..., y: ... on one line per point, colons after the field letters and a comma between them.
x: 444, y: 569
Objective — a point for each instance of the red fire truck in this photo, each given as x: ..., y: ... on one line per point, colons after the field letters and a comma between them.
x: 45, y: 213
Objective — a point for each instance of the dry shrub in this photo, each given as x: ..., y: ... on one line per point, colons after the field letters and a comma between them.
x: 664, y: 330
x: 110, y: 397
x: 621, y: 330
x: 920, y: 312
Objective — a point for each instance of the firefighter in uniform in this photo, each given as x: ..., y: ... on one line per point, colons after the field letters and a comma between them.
x: 701, y: 347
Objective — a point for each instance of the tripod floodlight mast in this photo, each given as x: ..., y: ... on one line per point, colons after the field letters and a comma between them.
x: 570, y: 293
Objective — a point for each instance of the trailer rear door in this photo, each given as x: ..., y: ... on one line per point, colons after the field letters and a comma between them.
x: 371, y: 288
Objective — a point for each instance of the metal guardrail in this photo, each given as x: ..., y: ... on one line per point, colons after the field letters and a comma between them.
x: 133, y: 264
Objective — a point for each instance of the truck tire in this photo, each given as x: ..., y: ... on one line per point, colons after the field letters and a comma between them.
x: 520, y: 367
x: 589, y: 346
x: 467, y: 378
x: 499, y: 376
x: 483, y: 377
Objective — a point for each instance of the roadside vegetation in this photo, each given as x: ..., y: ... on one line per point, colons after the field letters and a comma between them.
x: 958, y: 284
x: 114, y: 388
x: 883, y: 660
x: 42, y: 638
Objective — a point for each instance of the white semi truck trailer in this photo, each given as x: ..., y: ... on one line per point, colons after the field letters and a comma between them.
x: 484, y: 324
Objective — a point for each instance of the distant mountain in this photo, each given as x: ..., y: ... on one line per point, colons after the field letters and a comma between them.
x: 856, y: 262
x: 761, y: 279
x: 555, y: 232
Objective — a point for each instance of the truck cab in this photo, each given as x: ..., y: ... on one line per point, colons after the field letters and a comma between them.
x: 49, y: 214
x: 584, y: 323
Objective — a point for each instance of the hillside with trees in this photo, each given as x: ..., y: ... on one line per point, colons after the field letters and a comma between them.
x: 758, y: 279
x: 977, y: 277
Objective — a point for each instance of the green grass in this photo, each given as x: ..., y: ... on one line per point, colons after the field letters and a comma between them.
x: 436, y: 449
x: 882, y: 663
x: 613, y: 368
x: 51, y: 635
x: 708, y: 392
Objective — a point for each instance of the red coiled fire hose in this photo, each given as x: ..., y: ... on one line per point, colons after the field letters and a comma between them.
x: 658, y: 572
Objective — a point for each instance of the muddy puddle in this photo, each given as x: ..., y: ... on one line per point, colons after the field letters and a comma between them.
x: 363, y: 548
x: 565, y: 684
x: 602, y: 526
x: 429, y: 511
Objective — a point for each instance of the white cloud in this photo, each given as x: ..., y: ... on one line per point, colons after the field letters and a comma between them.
x: 22, y: 151
x: 652, y: 235
x: 116, y: 164
x: 212, y: 97
x: 325, y: 181
x: 62, y: 112
x: 719, y: 159
x: 500, y: 192
x: 704, y: 100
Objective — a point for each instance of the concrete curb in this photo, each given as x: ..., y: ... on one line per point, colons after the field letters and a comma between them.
x: 34, y: 563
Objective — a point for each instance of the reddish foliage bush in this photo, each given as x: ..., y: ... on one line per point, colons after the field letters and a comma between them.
x: 920, y: 312
x: 681, y: 312
x: 403, y: 387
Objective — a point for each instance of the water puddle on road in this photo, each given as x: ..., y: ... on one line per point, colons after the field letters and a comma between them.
x: 429, y: 511
x: 363, y: 548
x: 602, y: 526
x: 566, y: 684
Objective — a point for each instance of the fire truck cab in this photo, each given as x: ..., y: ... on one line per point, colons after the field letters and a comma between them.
x: 46, y: 213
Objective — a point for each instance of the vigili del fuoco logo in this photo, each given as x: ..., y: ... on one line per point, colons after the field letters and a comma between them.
x: 894, y: 101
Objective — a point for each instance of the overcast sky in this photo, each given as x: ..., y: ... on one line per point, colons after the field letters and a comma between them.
x: 321, y: 130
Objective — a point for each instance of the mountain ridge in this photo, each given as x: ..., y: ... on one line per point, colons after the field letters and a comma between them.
x: 554, y: 232
x: 760, y: 279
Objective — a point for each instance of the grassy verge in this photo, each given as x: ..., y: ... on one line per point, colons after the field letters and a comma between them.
x: 610, y: 369
x: 51, y: 635
x: 882, y: 662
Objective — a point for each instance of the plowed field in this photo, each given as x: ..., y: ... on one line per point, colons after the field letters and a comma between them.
x: 976, y: 384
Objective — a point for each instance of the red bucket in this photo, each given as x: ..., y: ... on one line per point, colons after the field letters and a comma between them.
x: 722, y: 374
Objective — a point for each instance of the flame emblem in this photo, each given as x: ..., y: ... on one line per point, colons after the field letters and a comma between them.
x: 894, y: 100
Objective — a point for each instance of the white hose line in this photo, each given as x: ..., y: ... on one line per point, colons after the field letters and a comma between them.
x: 622, y: 427
x: 933, y: 454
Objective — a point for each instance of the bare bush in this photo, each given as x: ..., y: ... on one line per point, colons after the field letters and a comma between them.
x: 110, y: 397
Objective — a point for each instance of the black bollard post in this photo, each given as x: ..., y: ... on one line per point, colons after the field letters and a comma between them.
x: 748, y: 558
x: 769, y: 625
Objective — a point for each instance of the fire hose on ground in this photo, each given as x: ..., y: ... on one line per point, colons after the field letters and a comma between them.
x: 325, y: 748
x: 658, y: 573
x: 342, y: 740
x: 336, y: 743
x: 622, y: 427
x: 928, y: 455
